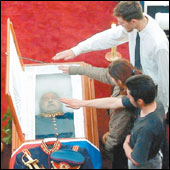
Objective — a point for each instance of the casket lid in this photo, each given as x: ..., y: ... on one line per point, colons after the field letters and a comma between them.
x: 11, y: 63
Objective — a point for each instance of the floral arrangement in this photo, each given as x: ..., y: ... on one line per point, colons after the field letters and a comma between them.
x: 8, y: 127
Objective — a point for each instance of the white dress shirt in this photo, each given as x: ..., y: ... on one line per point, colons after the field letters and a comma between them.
x: 154, y: 51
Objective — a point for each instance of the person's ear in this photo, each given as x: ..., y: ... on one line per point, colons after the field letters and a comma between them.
x: 140, y: 102
x: 133, y: 21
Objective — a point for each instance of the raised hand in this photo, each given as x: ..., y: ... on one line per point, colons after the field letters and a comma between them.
x: 67, y: 54
x: 65, y: 69
x: 73, y: 103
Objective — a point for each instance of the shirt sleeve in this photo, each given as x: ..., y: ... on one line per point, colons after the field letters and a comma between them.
x: 103, y: 40
x: 97, y: 73
x: 162, y: 57
x: 126, y: 103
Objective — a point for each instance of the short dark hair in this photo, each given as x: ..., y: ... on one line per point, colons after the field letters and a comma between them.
x: 129, y: 10
x: 141, y: 87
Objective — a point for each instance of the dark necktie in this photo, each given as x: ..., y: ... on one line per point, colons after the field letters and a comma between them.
x: 137, y: 53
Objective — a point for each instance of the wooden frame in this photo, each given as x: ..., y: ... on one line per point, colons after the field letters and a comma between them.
x: 90, y: 116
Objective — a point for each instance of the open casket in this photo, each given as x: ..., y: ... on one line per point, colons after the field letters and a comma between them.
x: 25, y: 83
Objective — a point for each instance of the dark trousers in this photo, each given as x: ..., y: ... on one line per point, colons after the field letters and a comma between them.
x: 120, y: 160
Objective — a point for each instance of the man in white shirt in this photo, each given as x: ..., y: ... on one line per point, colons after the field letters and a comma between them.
x: 154, y: 45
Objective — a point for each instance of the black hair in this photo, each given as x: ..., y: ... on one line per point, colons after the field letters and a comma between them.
x: 141, y: 87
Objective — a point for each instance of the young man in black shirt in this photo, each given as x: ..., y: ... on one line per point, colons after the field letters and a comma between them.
x: 143, y: 145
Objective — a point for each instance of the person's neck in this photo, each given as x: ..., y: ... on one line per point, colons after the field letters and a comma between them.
x: 147, y: 109
x: 142, y: 24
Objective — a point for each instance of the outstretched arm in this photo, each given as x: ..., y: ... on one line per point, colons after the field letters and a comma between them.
x: 100, y: 41
x: 97, y: 73
x: 103, y: 103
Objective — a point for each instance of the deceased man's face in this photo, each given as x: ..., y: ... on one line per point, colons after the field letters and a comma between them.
x: 49, y: 103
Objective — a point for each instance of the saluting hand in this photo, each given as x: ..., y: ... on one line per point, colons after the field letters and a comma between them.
x: 65, y: 69
x: 73, y: 103
x: 67, y: 54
